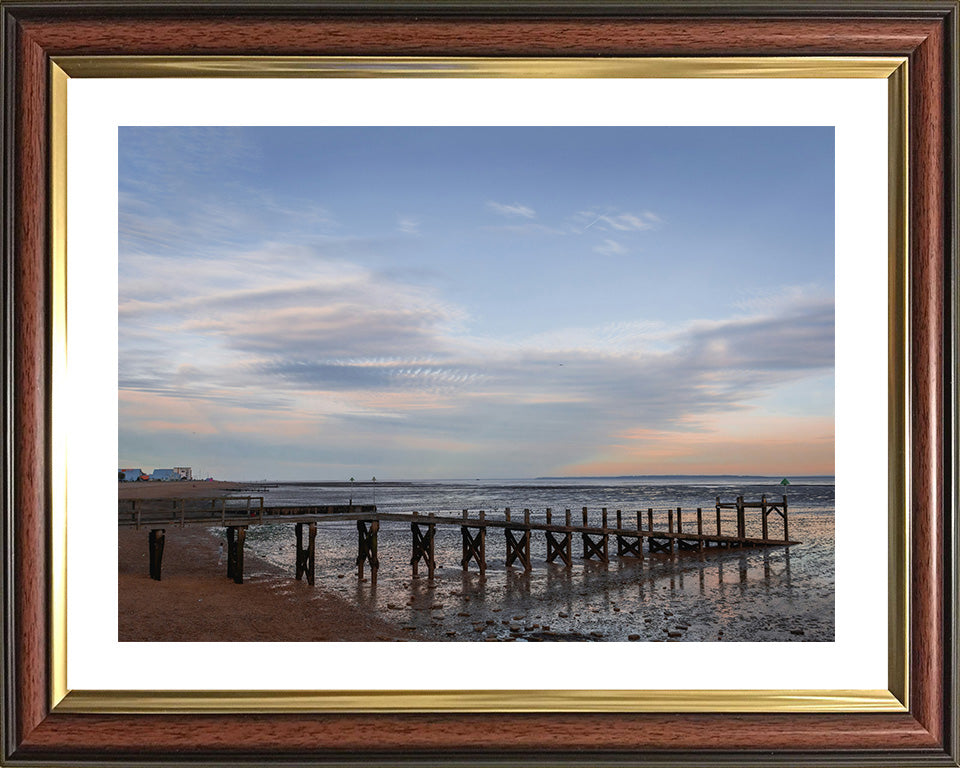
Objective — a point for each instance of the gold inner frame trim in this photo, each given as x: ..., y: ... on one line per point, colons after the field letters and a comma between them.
x: 431, y: 66
x: 716, y: 700
x: 893, y: 69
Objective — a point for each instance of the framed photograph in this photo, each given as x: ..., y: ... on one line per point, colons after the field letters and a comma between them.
x: 433, y: 344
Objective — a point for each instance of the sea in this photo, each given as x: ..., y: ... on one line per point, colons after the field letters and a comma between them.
x: 718, y: 595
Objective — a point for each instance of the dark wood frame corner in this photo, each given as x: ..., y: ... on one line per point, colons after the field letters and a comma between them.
x: 925, y: 32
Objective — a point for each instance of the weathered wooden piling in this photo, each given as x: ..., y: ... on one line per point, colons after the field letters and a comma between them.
x: 423, y: 535
x: 474, y: 544
x: 595, y: 545
x: 558, y: 544
x: 306, y: 555
x: 236, y: 536
x: 155, y: 541
x: 518, y: 547
x: 367, y: 547
x: 629, y: 543
x: 649, y: 519
x: 679, y: 520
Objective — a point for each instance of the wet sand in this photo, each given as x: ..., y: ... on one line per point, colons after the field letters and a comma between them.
x: 196, y: 602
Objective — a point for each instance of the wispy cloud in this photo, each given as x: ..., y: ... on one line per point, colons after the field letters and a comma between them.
x: 408, y: 225
x: 609, y: 248
x: 512, y: 209
x: 616, y: 221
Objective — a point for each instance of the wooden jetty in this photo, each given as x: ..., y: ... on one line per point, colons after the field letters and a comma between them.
x: 236, y: 514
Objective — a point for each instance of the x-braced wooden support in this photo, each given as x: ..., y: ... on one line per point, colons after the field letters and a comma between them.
x: 518, y: 548
x: 423, y: 547
x: 474, y: 547
x: 236, y: 535
x: 367, y: 547
x: 595, y: 547
x: 155, y: 540
x: 305, y: 555
x: 660, y: 545
x: 629, y: 546
x: 689, y: 545
x: 559, y: 547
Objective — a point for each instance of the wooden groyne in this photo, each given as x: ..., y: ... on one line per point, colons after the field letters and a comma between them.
x: 238, y: 513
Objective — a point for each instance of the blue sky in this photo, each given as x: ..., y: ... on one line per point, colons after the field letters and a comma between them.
x: 320, y: 303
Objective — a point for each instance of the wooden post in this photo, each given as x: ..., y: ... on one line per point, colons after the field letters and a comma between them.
x: 603, y: 518
x: 526, y: 517
x: 238, y: 554
x: 670, y: 521
x: 567, y: 523
x: 506, y: 513
x: 155, y: 540
x: 367, y: 547
x: 423, y: 547
x: 638, y: 520
x: 231, y: 551
x: 549, y: 516
x: 786, y: 530
x: 649, y: 519
x: 619, y: 521
x: 584, y: 513
x: 298, y: 529
x: 312, y: 554
x: 483, y: 543
x: 718, y: 516
x: 699, y: 521
x: 679, y: 521
x: 763, y: 515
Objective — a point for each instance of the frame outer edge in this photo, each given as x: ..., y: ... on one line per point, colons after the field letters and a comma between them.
x: 7, y: 133
x: 952, y: 344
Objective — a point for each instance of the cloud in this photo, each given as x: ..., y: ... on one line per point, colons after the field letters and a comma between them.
x: 609, y: 248
x: 606, y: 221
x: 408, y: 225
x: 388, y: 363
x: 512, y: 210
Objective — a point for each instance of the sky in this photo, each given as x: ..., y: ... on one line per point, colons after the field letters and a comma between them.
x: 498, y: 302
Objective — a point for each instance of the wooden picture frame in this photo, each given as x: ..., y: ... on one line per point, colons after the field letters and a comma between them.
x: 37, y: 731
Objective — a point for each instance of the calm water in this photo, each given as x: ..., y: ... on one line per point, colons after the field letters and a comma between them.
x: 730, y: 595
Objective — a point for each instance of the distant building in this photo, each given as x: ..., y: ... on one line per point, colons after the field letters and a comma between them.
x: 186, y: 473
x: 130, y: 475
x: 165, y: 474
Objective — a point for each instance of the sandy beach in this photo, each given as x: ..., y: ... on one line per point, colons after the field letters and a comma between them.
x: 196, y: 602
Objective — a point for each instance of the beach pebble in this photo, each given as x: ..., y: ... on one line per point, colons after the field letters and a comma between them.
x: 563, y: 615
x: 393, y: 607
x: 633, y: 637
x: 596, y: 634
x: 668, y: 613
x: 463, y: 613
x: 674, y: 634
x: 796, y: 632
